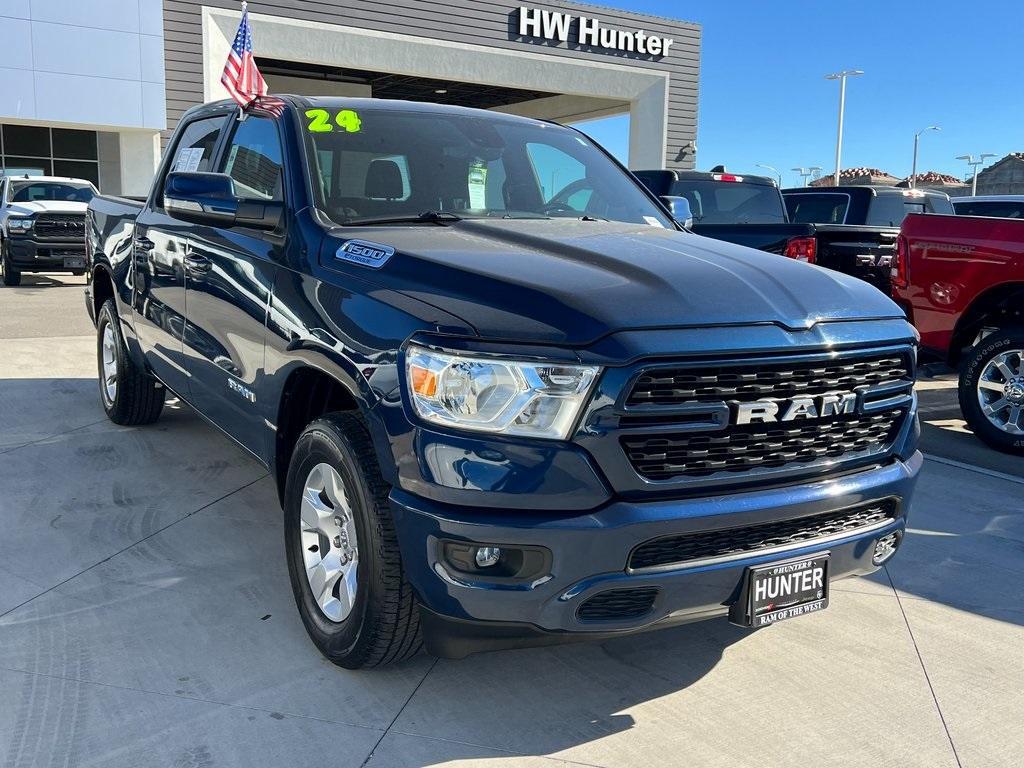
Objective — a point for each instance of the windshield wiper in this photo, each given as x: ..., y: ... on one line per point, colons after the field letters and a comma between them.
x: 427, y: 217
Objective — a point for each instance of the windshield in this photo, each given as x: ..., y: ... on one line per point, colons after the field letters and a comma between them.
x: 42, y: 191
x: 821, y: 208
x: 730, y: 202
x: 374, y: 164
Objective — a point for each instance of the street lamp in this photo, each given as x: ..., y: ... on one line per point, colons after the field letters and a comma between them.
x: 774, y: 170
x: 807, y: 173
x: 913, y: 168
x: 975, y: 164
x: 841, y: 77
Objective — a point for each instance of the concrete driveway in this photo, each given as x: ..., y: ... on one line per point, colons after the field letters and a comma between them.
x: 146, y: 620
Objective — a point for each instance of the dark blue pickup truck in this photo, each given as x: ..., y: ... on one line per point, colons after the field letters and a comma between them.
x: 499, y: 415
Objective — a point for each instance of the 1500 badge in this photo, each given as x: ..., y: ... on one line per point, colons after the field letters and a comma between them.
x: 365, y: 253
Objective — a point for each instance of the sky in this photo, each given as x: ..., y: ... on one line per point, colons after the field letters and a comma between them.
x: 763, y: 97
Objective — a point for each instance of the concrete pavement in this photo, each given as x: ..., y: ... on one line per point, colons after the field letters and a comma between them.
x: 146, y: 620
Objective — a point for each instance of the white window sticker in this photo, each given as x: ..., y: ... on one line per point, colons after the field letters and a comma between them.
x: 478, y: 186
x: 188, y: 159
x: 653, y: 222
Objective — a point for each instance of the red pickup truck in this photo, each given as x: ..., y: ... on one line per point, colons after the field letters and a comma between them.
x: 961, y: 281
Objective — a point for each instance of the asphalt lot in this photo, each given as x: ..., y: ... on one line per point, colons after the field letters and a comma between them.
x: 146, y: 619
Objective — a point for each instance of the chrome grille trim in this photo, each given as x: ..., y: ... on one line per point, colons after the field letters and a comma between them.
x: 675, y: 420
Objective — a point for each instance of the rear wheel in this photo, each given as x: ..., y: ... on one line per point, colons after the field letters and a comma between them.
x: 129, y: 395
x: 343, y: 558
x: 992, y: 389
x: 12, y: 276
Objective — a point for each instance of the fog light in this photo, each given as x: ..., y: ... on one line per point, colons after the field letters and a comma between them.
x: 885, y: 547
x: 486, y: 557
x: 493, y: 563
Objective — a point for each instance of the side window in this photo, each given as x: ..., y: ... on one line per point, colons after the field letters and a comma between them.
x: 889, y: 210
x: 554, y: 169
x: 194, y: 150
x: 253, y: 160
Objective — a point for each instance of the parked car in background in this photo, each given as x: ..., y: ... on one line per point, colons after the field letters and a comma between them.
x: 961, y: 281
x: 1000, y: 206
x: 499, y: 415
x: 857, y: 226
x: 848, y: 229
x: 42, y: 225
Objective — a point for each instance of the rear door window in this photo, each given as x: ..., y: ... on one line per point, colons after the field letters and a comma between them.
x: 818, y: 208
x: 195, y: 148
x: 194, y: 151
x: 729, y: 202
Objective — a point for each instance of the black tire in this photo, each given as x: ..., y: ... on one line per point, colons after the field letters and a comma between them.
x: 12, y: 276
x: 971, y: 369
x: 138, y: 397
x: 383, y: 625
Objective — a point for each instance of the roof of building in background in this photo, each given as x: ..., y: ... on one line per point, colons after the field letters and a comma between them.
x: 857, y: 176
x: 933, y: 179
x: 1011, y: 156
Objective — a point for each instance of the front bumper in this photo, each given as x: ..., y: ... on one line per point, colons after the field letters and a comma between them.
x: 30, y: 255
x: 589, y: 552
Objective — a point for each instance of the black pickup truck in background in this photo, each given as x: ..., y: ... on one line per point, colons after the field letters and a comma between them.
x: 851, y: 229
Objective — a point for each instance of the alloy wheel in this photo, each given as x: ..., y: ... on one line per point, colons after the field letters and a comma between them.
x: 109, y: 382
x: 330, y: 547
x: 1001, y: 391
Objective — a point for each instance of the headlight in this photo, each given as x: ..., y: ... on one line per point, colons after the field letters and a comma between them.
x: 17, y: 225
x: 493, y: 395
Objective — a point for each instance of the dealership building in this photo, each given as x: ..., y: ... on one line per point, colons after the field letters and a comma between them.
x: 91, y: 88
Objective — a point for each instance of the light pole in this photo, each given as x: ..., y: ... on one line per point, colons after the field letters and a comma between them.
x: 774, y: 170
x: 913, y: 168
x: 841, y: 77
x: 975, y: 164
x: 807, y: 173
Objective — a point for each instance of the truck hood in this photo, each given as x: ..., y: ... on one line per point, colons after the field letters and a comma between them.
x: 47, y: 206
x: 572, y: 282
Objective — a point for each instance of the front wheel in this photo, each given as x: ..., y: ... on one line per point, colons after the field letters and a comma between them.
x: 992, y: 389
x: 12, y: 276
x: 129, y: 395
x: 343, y: 559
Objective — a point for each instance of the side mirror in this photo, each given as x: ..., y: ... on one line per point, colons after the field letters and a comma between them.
x: 209, y: 198
x: 679, y: 207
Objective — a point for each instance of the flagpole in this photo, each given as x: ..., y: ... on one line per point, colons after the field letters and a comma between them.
x: 241, y: 109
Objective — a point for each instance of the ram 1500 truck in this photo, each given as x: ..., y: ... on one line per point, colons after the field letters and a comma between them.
x: 498, y: 418
x: 42, y: 225
x: 849, y: 229
x: 961, y: 281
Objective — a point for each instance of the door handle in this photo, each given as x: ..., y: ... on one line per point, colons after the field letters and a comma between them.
x: 144, y: 245
x: 198, y: 264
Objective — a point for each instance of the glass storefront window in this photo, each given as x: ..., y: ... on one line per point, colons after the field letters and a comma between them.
x: 38, y: 150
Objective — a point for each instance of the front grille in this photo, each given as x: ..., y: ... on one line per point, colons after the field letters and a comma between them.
x: 675, y: 386
x: 618, y: 604
x: 684, y: 548
x: 60, y: 225
x: 755, y: 446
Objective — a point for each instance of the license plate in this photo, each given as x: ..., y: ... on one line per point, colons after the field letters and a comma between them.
x: 786, y: 590
x: 74, y: 262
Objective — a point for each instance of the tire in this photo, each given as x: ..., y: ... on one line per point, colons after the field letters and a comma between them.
x: 992, y: 372
x: 12, y: 276
x: 380, y: 624
x: 135, y: 397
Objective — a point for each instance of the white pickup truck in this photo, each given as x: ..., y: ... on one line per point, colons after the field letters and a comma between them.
x: 42, y: 225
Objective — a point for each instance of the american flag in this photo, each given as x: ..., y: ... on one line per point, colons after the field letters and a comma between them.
x: 241, y: 76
